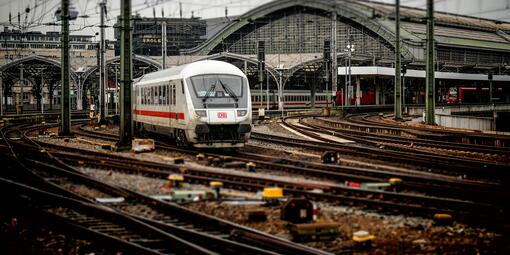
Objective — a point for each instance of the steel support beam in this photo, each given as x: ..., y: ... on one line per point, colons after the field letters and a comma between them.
x: 65, y: 102
x: 261, y: 54
x: 334, y: 64
x: 126, y: 74
x: 429, y: 81
x: 79, y: 95
x: 163, y: 42
x: 398, y: 64
x: 280, y: 92
x: 102, y: 66
x: 22, y: 86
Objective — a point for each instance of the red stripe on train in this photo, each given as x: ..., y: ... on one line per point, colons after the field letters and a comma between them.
x: 169, y: 115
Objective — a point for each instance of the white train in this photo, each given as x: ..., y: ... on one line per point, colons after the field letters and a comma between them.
x: 203, y: 104
x: 291, y: 99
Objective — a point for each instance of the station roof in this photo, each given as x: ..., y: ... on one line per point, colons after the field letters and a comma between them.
x: 450, y: 30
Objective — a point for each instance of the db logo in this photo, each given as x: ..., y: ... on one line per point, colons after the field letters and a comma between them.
x: 222, y: 115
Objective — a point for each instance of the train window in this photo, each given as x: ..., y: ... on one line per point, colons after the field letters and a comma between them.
x: 158, y: 96
x: 142, y: 99
x: 143, y: 95
x: 167, y: 95
x: 153, y: 90
x: 173, y: 94
x: 163, y: 95
x: 147, y: 96
x: 150, y: 95
x: 170, y: 93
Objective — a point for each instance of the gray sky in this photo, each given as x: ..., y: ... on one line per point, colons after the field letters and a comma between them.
x: 44, y: 10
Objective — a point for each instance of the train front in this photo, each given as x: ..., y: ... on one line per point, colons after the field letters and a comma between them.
x: 221, y: 107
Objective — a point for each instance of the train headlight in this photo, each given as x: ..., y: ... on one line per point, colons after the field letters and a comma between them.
x: 241, y: 113
x: 201, y: 113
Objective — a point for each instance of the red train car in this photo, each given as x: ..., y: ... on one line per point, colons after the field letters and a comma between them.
x: 367, y: 98
x: 471, y: 95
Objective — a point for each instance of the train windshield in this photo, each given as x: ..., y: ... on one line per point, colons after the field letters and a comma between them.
x: 217, y: 86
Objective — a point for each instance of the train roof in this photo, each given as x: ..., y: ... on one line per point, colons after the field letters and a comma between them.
x: 191, y: 69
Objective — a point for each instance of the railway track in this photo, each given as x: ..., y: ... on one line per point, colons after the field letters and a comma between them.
x: 415, y: 181
x: 121, y: 232
x: 473, y: 212
x: 466, y: 168
x: 208, y: 233
x: 480, y: 141
x: 383, y: 201
x: 458, y: 155
x: 493, y: 153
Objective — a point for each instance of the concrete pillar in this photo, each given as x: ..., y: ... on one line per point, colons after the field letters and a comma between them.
x: 334, y: 64
x: 358, y: 92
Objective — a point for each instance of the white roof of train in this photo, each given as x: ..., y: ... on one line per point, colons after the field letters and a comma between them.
x: 191, y: 69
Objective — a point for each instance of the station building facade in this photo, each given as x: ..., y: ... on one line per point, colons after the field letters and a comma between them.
x: 293, y: 31
x: 181, y: 33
